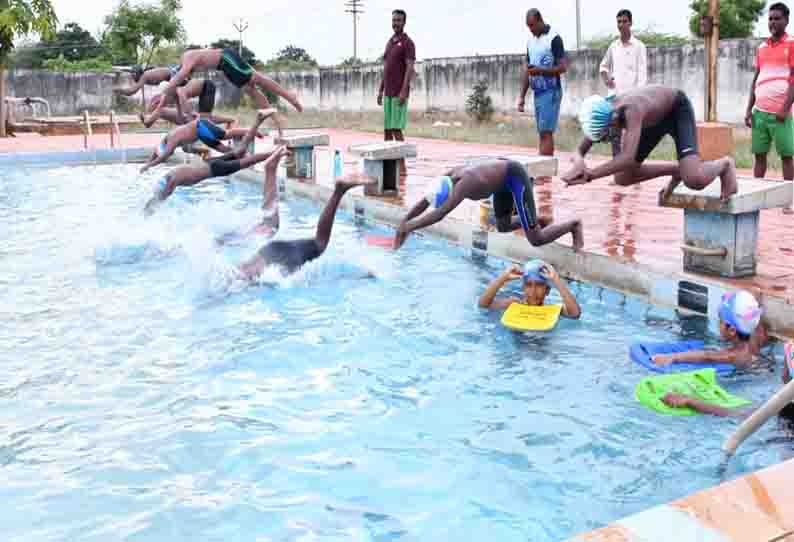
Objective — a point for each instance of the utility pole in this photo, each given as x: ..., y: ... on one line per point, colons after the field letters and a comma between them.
x: 710, y: 27
x: 354, y: 7
x: 578, y: 25
x: 241, y: 26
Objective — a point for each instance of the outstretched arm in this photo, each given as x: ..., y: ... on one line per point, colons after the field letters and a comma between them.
x: 698, y: 356
x: 420, y: 207
x: 682, y: 401
x: 170, y: 147
x: 628, y: 151
x: 488, y: 299
x: 570, y: 307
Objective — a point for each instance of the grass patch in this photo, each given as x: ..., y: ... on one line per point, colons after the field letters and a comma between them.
x: 504, y: 130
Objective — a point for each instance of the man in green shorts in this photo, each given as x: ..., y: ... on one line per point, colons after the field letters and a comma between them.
x: 772, y: 95
x: 398, y: 70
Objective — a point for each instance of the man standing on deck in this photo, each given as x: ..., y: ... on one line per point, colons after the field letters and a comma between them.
x: 772, y: 95
x: 546, y: 61
x: 625, y: 64
x: 395, y: 87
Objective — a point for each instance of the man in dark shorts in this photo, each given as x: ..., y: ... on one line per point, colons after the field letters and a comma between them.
x: 509, y: 184
x: 636, y: 122
x: 236, y: 70
x: 202, y: 129
x: 149, y: 76
x: 291, y: 255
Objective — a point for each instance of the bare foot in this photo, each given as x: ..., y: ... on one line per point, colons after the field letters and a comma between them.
x: 272, y: 161
x: 352, y: 181
x: 262, y: 114
x: 578, y: 236
x: 728, y: 183
x: 668, y: 190
x: 148, y: 121
x: 293, y: 99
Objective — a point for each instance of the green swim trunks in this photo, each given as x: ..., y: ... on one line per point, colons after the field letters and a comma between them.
x: 395, y: 115
x: 766, y: 128
x: 236, y: 70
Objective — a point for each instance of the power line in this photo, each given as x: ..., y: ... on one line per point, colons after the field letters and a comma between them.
x: 354, y: 7
x: 241, y: 26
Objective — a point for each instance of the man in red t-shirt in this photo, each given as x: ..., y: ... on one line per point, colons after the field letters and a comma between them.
x: 398, y: 69
x: 772, y: 96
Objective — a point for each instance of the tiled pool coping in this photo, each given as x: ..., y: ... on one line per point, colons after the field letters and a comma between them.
x: 755, y: 507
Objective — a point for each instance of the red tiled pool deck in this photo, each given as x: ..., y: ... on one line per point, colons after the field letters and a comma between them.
x: 624, y: 223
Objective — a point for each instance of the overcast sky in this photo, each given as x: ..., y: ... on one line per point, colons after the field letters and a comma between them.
x: 438, y: 27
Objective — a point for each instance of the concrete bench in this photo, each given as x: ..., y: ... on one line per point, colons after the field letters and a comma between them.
x: 381, y: 162
x: 536, y: 166
x: 303, y: 164
x: 721, y: 238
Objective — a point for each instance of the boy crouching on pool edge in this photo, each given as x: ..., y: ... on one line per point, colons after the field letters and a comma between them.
x: 740, y: 325
x: 538, y: 277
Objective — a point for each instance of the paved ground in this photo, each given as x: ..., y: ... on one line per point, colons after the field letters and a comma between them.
x: 621, y: 222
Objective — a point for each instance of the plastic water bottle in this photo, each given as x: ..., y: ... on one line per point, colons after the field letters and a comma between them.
x: 337, y: 165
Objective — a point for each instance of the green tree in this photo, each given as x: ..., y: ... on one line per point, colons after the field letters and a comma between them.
x: 291, y: 58
x: 352, y: 62
x: 737, y: 17
x: 135, y: 31
x: 479, y: 104
x: 73, y: 43
x: 20, y: 18
x: 248, y: 55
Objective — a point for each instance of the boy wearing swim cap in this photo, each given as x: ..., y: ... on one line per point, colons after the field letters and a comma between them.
x: 740, y: 324
x: 537, y: 278
x: 786, y: 415
x: 210, y: 134
x: 636, y: 122
x: 510, y: 186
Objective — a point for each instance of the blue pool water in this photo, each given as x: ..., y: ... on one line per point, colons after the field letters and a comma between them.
x: 146, y: 397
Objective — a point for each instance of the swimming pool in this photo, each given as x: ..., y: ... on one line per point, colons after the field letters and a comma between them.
x: 144, y: 398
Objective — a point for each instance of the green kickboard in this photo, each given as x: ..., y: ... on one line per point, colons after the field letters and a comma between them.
x: 700, y: 384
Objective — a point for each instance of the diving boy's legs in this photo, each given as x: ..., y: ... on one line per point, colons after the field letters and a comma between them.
x: 262, y: 81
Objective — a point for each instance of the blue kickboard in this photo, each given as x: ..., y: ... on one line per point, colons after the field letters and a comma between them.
x: 642, y: 354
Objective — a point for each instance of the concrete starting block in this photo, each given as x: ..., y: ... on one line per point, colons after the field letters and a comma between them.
x: 303, y: 165
x: 721, y: 238
x: 536, y: 166
x: 381, y: 162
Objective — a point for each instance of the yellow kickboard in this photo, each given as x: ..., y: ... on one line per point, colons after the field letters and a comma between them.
x: 520, y: 317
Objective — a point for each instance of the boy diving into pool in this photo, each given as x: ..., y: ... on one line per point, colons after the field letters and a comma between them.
x: 149, y: 76
x: 291, y: 255
x: 208, y: 133
x: 182, y: 113
x: 509, y: 184
x: 641, y: 118
x: 740, y: 325
x: 236, y: 70
x: 537, y: 277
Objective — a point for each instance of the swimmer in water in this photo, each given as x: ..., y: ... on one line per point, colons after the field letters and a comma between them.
x: 210, y: 134
x: 222, y: 166
x: 289, y: 256
x: 509, y: 184
x: 537, y: 278
x: 636, y: 122
x: 740, y: 325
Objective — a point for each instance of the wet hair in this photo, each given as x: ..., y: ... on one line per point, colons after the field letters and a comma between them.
x: 400, y: 12
x: 137, y: 72
x: 534, y: 12
x: 624, y: 13
x: 781, y: 7
x: 207, y: 97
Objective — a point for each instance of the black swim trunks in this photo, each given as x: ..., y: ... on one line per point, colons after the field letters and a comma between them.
x: 224, y: 165
x: 518, y: 192
x: 236, y: 70
x: 290, y: 255
x: 206, y: 100
x: 679, y: 124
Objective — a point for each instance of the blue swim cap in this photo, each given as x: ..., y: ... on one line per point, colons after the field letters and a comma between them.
x: 740, y: 310
x: 160, y: 185
x: 532, y: 272
x: 595, y: 114
x: 439, y: 191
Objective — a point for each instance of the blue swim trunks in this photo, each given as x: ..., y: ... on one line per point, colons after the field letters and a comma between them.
x: 547, y: 109
x: 518, y: 191
x: 210, y: 134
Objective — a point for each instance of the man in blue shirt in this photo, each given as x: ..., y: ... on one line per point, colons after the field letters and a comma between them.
x: 546, y: 61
